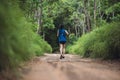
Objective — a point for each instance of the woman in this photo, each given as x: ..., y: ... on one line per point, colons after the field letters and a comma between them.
x: 61, y: 34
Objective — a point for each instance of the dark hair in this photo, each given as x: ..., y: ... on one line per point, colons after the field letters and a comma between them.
x: 61, y: 26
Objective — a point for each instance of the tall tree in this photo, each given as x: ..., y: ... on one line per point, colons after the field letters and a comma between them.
x: 39, y: 17
x: 87, y: 17
x: 94, y: 13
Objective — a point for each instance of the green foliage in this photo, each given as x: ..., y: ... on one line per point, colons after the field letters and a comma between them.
x: 70, y: 41
x: 72, y: 38
x: 71, y: 13
x: 103, y: 43
x: 18, y: 41
x: 114, y: 9
x: 40, y: 46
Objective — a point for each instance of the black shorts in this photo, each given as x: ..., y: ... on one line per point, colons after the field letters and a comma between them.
x: 62, y: 42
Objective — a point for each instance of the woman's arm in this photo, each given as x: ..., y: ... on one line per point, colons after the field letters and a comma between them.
x: 66, y: 32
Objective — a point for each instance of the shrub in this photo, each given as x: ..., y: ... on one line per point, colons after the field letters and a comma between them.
x: 103, y: 42
x: 18, y: 42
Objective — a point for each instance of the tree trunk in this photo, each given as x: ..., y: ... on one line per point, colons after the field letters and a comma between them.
x: 79, y: 32
x: 94, y: 13
x: 87, y: 17
x: 39, y: 14
x: 83, y: 28
x: 69, y: 29
x: 113, y: 15
x: 76, y: 31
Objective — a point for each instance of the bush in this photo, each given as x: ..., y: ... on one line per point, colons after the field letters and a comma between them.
x: 40, y: 46
x: 18, y: 42
x: 103, y: 42
x: 70, y: 41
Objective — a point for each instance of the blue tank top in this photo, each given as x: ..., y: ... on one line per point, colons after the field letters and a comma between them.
x: 62, y: 35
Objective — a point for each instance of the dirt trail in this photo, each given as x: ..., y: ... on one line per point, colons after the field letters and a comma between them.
x: 50, y: 67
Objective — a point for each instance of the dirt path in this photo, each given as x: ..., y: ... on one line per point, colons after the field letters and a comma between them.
x: 50, y: 67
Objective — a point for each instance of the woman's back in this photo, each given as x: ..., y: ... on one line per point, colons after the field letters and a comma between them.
x: 62, y: 35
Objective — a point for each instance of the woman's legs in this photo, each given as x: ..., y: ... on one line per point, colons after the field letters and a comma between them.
x: 62, y: 50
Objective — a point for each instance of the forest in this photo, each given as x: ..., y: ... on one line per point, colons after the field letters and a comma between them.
x: 28, y: 28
